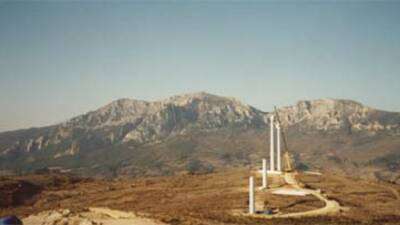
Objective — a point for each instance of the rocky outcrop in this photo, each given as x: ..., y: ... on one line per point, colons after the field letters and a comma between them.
x: 152, y: 121
x: 333, y: 114
x: 34, y: 145
x: 72, y: 150
x: 60, y: 217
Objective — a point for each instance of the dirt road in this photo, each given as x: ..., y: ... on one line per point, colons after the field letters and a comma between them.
x: 331, y: 206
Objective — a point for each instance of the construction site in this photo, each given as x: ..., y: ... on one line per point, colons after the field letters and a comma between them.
x: 284, y: 181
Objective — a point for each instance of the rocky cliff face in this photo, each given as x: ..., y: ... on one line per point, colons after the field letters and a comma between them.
x: 133, y: 124
x: 140, y: 122
x: 137, y: 122
x: 333, y: 114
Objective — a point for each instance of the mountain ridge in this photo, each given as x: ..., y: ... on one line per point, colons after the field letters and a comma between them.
x: 117, y: 101
x: 187, y: 126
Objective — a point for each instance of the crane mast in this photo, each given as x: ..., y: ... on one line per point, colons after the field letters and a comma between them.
x: 288, y: 159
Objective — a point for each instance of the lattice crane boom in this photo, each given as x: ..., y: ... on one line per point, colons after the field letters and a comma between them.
x: 288, y: 159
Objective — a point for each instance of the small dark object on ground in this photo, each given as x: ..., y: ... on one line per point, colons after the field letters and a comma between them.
x: 266, y: 212
x: 10, y: 220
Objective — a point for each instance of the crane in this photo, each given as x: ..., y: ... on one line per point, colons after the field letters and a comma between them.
x: 287, y: 157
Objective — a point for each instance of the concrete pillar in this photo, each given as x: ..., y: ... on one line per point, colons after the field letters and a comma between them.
x: 251, y: 196
x: 278, y: 146
x: 271, y: 147
x: 264, y: 174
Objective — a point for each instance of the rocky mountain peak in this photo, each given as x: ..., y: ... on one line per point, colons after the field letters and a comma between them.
x: 142, y: 121
x: 327, y: 108
x: 334, y: 114
x: 329, y: 104
x: 116, y: 113
x: 204, y: 97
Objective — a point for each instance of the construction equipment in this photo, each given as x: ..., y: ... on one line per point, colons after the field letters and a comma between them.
x: 288, y: 162
x: 288, y: 165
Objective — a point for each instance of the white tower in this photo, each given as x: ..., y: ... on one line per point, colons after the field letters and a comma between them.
x: 264, y: 174
x: 251, y: 196
x: 278, y: 146
x: 272, y: 163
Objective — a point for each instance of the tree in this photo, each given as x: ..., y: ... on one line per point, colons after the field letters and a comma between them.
x: 195, y: 166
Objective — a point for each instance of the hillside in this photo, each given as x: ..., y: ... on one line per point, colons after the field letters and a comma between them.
x: 134, y: 138
x: 218, y: 198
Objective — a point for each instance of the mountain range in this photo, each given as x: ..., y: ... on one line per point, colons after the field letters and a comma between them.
x: 131, y: 137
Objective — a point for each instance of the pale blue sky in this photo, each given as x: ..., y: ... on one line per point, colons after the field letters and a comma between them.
x: 58, y: 60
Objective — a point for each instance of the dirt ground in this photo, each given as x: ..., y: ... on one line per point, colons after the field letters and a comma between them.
x: 201, y: 199
x: 92, y: 216
x: 367, y: 201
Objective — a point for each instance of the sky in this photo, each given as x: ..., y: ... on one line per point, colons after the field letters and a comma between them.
x: 61, y: 59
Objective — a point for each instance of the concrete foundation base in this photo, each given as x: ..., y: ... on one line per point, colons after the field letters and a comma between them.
x: 269, y: 172
x: 289, y: 191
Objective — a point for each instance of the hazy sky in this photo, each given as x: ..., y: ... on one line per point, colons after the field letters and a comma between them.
x: 58, y: 60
